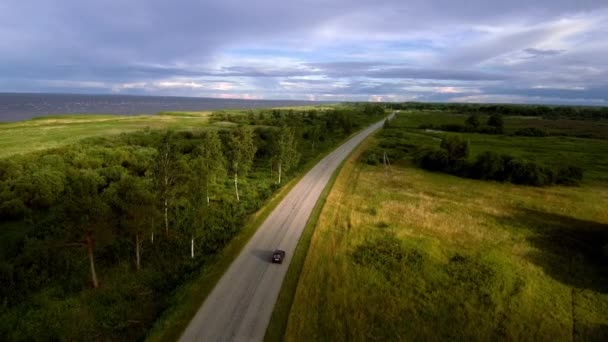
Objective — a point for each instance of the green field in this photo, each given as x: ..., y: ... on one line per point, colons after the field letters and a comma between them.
x: 407, y: 254
x: 50, y: 132
x: 54, y: 131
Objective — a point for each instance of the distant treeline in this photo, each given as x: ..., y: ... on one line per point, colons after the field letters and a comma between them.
x: 545, y: 111
x: 452, y: 157
x: 94, y: 238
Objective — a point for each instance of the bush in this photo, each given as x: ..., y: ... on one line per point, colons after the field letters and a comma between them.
x: 496, y: 121
x: 473, y: 122
x: 456, y: 147
x: 569, y: 175
x: 489, y: 165
x: 370, y: 157
x: 531, y: 132
x: 433, y: 159
x: 453, y: 128
x: 529, y: 173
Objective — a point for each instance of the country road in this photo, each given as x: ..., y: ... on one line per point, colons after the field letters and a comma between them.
x: 240, y: 305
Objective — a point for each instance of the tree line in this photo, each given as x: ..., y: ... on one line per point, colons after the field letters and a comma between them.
x: 452, y: 157
x: 472, y: 124
x: 545, y: 111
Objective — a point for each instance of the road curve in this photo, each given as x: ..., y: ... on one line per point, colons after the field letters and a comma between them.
x: 240, y: 305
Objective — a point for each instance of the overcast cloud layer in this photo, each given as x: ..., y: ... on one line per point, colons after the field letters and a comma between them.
x: 541, y: 51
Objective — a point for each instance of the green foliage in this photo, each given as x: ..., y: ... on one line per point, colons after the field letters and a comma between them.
x: 240, y: 150
x: 110, y: 191
x: 456, y: 147
x: 487, y: 165
x: 496, y: 121
x: 285, y: 152
x: 491, y: 166
x: 473, y: 122
x: 548, y: 112
x: 433, y: 159
x: 531, y: 132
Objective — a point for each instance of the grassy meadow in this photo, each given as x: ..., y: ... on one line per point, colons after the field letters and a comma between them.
x: 407, y: 254
x: 55, y: 131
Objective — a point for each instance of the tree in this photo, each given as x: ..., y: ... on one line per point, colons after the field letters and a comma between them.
x: 133, y: 202
x: 496, y: 121
x: 473, y: 122
x: 457, y: 148
x: 285, y: 154
x: 240, y: 153
x: 314, y: 134
x: 164, y: 175
x: 212, y: 162
x: 193, y: 212
x: 85, y: 214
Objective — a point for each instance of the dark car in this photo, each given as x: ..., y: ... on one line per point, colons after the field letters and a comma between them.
x: 278, y: 256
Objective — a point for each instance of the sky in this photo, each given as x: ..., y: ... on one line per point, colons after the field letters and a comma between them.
x: 516, y: 51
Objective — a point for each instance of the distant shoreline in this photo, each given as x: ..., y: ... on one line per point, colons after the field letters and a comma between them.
x: 24, y: 106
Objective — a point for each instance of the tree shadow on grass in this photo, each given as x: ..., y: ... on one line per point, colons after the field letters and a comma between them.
x: 569, y: 250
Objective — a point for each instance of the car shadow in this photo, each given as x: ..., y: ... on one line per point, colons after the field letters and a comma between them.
x: 263, y: 254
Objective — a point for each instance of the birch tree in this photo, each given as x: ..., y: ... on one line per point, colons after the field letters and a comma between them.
x: 240, y: 152
x: 212, y: 163
x: 164, y: 176
x: 314, y: 134
x: 285, y: 151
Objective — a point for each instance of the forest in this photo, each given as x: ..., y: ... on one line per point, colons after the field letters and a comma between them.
x: 97, y: 236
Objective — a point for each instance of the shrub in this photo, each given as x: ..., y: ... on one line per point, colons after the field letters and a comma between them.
x: 473, y: 122
x: 452, y: 128
x: 370, y: 157
x: 489, y: 165
x: 433, y: 159
x: 529, y: 173
x: 456, y: 147
x: 531, y: 132
x: 569, y: 175
x: 496, y: 121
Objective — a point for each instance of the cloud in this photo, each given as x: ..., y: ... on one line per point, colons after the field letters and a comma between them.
x: 540, y: 52
x: 321, y: 49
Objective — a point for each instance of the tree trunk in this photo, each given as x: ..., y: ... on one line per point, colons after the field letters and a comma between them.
x: 166, y: 217
x: 92, y: 260
x: 137, y: 254
x: 279, y: 173
x: 236, y: 186
x: 207, y: 188
x: 192, y: 247
x: 152, y: 237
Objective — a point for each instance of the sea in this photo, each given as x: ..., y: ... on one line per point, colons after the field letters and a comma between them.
x: 23, y: 106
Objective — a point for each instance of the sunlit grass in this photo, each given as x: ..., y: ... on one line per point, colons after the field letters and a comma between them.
x: 415, y: 255
x: 54, y: 131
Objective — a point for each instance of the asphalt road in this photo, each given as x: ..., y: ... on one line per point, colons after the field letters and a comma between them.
x: 240, y: 305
